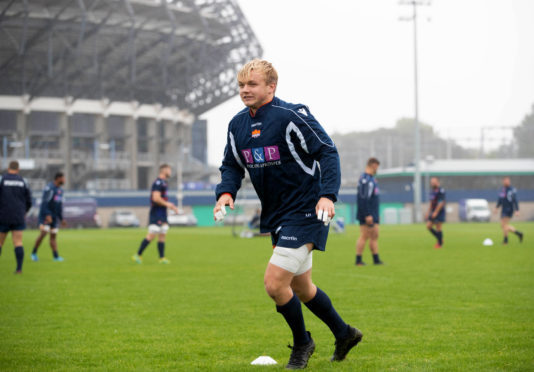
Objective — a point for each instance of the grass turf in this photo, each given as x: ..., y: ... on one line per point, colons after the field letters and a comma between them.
x: 464, y: 307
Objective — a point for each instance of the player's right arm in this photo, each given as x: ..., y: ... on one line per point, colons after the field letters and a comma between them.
x: 156, y: 198
x: 363, y: 192
x: 48, y: 194
x: 232, y: 173
x: 499, y: 203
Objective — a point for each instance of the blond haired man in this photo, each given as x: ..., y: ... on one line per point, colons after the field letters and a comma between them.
x: 294, y: 167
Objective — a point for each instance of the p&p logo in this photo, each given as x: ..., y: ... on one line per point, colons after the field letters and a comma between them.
x: 268, y: 155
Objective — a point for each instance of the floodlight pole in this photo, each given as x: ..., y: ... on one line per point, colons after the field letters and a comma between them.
x: 418, y: 215
x: 417, y: 173
x: 179, y: 176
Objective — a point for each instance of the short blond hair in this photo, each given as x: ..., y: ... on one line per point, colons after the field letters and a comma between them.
x: 261, y: 66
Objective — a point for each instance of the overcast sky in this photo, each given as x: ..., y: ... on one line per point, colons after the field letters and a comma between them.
x: 351, y: 62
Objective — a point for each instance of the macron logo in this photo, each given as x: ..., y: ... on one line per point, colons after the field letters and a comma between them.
x: 302, y: 110
x: 283, y: 237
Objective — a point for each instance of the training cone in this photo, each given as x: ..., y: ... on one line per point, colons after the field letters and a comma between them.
x: 487, y: 242
x: 263, y: 361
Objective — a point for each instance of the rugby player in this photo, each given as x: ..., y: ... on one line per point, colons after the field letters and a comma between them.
x: 15, y: 202
x: 294, y: 167
x: 435, y: 215
x: 509, y: 206
x: 367, y: 214
x: 51, y: 215
x: 158, y: 225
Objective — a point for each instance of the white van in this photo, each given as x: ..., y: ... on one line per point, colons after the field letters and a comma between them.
x: 474, y: 210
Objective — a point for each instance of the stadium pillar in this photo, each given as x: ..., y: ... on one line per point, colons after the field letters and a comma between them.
x: 153, y: 146
x: 131, y: 146
x: 22, y: 126
x: 65, y: 141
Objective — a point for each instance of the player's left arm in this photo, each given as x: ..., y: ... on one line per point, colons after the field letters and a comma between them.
x: 27, y: 196
x: 441, y: 204
x: 59, y: 211
x: 321, y: 148
x: 515, y: 202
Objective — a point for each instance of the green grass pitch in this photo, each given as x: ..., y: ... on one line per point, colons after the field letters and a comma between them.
x: 465, y: 307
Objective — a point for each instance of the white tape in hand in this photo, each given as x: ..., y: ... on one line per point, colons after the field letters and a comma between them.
x: 322, y: 215
x: 219, y: 215
x: 326, y: 218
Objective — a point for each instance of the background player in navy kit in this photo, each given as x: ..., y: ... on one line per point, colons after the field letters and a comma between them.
x: 510, y: 206
x: 51, y: 215
x: 157, y: 225
x: 282, y: 146
x: 368, y: 204
x: 15, y: 201
x: 436, y: 211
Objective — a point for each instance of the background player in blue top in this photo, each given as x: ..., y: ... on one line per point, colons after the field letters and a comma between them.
x: 368, y: 213
x: 157, y: 225
x: 294, y: 168
x: 509, y: 206
x: 15, y: 201
x: 51, y: 215
x: 436, y: 211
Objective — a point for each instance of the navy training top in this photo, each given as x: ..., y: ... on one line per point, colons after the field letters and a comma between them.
x: 15, y: 199
x: 291, y: 161
x: 508, y: 200
x: 52, y: 202
x: 368, y: 200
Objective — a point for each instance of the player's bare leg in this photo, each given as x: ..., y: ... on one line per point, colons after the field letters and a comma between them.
x: 360, y: 244
x: 439, y: 234
x: 505, y: 228
x: 144, y: 243
x: 161, y: 249
x: 53, y: 245
x: 277, y: 283
x: 321, y: 306
x: 435, y: 231
x: 2, y: 240
x: 373, y: 243
x: 42, y: 234
x: 16, y: 236
x: 39, y: 240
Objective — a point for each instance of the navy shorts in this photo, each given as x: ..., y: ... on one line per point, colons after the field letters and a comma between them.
x: 53, y: 225
x: 439, y: 218
x: 12, y: 227
x: 297, y: 236
x: 157, y: 220
x: 508, y: 214
x: 376, y: 220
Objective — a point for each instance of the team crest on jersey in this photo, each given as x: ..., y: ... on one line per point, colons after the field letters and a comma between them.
x: 256, y: 133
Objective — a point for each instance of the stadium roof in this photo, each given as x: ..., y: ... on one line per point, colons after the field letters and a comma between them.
x: 466, y: 167
x: 181, y: 53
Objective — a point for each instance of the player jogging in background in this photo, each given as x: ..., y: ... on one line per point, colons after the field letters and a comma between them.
x: 509, y: 206
x: 15, y: 202
x: 436, y: 211
x: 51, y: 215
x: 294, y: 167
x: 367, y: 214
x: 157, y: 225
